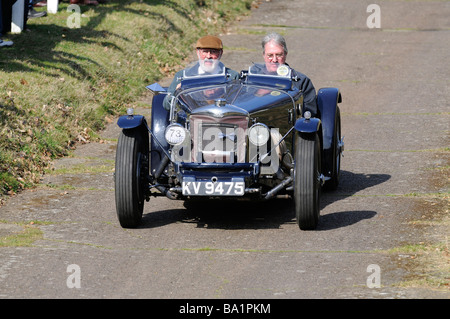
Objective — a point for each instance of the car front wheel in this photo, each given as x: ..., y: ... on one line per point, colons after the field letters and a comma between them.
x: 307, y: 181
x: 130, y: 176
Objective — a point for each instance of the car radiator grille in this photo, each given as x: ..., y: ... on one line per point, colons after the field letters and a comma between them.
x: 218, y: 140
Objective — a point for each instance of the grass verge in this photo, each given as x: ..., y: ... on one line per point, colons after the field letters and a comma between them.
x: 58, y: 85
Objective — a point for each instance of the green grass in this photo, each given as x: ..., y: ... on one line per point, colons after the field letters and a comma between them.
x: 26, y: 237
x: 59, y: 85
x: 432, y: 269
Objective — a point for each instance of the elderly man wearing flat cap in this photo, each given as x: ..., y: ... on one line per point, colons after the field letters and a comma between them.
x: 209, y: 51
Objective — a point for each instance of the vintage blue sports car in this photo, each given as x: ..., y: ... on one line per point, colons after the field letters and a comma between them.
x: 215, y: 138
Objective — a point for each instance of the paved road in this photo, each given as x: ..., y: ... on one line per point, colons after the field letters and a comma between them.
x: 395, y: 114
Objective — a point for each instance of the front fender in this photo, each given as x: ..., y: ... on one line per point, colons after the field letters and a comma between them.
x: 130, y: 121
x: 327, y: 101
x: 159, y: 122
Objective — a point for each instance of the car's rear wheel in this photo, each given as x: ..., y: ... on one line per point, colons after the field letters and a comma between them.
x: 131, y: 176
x: 333, y: 183
x: 307, y: 181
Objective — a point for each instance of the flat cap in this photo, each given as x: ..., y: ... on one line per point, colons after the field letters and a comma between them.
x: 209, y: 42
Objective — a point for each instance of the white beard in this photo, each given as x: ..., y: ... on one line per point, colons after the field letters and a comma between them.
x: 211, y: 66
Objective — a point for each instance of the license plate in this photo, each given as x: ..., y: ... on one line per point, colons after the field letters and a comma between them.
x: 218, y: 188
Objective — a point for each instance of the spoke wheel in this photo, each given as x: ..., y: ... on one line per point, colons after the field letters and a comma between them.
x: 307, y: 181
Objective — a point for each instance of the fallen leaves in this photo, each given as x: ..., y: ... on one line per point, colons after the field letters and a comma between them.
x: 84, y: 136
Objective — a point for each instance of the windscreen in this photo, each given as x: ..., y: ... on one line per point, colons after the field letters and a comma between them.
x: 197, y: 97
x: 270, y: 69
x: 206, y: 67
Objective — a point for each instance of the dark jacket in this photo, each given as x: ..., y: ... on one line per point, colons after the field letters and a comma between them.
x: 303, y: 83
x: 309, y: 92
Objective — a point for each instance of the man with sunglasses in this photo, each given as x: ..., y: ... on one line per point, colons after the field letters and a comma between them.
x: 275, y: 53
x: 209, y: 51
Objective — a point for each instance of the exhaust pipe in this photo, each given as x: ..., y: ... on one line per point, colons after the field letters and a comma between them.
x: 277, y: 188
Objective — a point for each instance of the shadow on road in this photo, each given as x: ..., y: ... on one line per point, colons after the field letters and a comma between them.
x: 350, y: 183
x: 343, y: 219
x: 223, y: 214
x: 226, y: 214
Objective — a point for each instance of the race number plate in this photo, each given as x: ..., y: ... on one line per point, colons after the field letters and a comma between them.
x: 236, y: 187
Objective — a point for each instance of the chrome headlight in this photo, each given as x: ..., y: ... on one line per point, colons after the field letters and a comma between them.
x: 175, y: 134
x: 259, y: 134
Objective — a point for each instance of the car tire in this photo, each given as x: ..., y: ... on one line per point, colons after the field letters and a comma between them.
x: 131, y: 172
x: 306, y: 181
